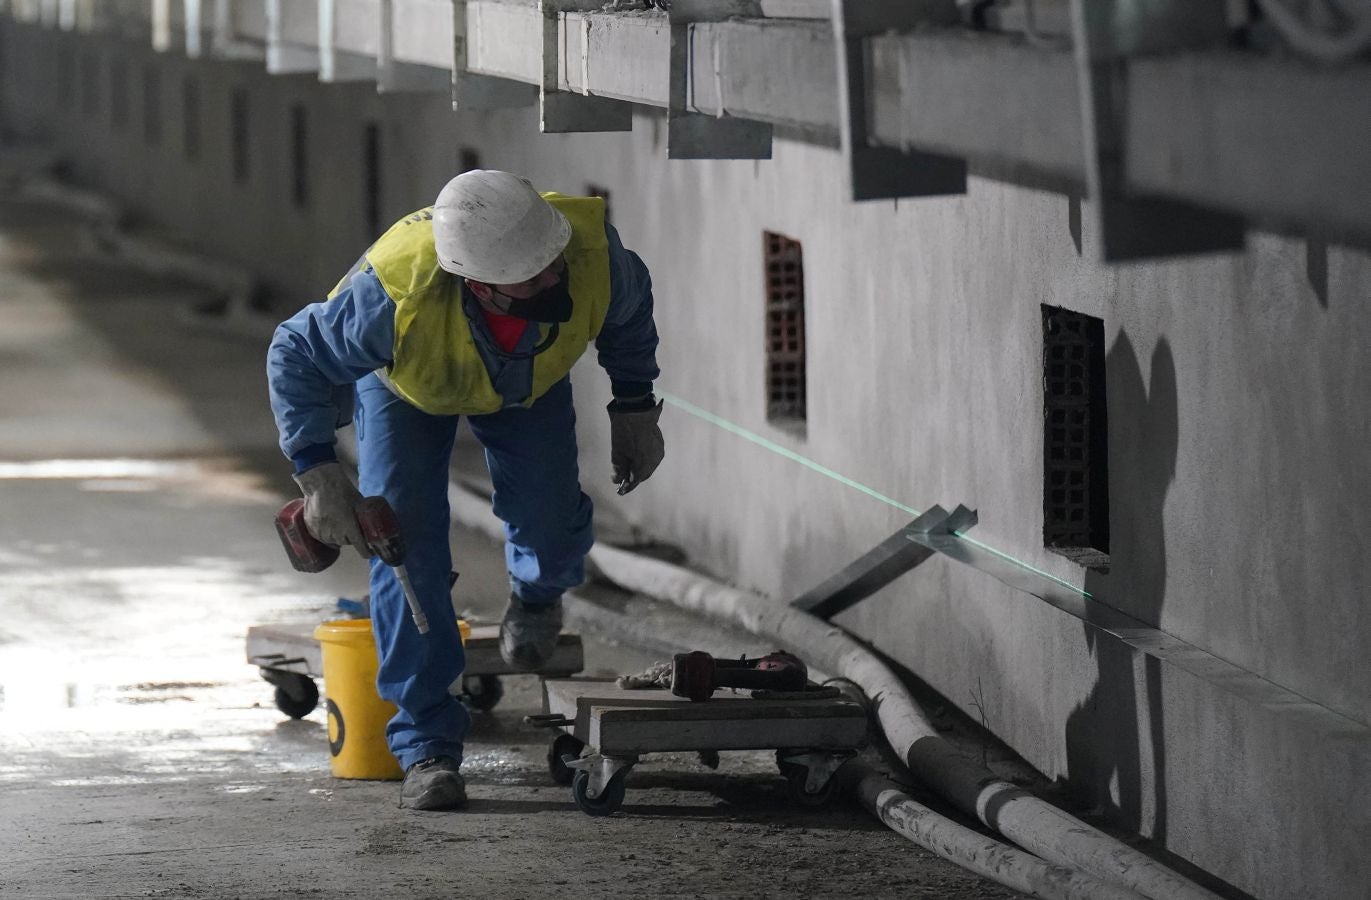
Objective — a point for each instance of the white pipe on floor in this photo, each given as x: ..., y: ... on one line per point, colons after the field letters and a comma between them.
x: 1037, y: 826
x: 984, y: 855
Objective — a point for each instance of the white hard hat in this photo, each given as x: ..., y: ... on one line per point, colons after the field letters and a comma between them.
x: 493, y: 227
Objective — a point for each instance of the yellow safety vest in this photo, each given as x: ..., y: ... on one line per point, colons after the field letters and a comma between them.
x: 436, y: 365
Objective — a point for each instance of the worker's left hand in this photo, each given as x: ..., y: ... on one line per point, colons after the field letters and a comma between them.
x: 636, y: 446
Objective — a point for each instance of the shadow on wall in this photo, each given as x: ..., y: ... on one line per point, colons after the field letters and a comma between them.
x: 1104, y: 735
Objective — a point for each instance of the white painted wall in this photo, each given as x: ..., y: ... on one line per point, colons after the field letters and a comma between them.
x: 1239, y: 490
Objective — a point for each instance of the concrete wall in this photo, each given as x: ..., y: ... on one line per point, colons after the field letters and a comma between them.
x: 1237, y: 431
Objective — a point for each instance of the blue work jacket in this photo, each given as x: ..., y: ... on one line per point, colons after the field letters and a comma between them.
x: 318, y: 354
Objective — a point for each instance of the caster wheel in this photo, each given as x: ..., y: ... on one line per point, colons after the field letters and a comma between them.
x: 797, y: 778
x: 482, y: 692
x: 295, y: 695
x: 563, y: 745
x: 609, y: 800
x: 785, y: 767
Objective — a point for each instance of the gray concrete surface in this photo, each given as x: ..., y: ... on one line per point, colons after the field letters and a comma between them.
x: 140, y: 756
x: 1235, y: 382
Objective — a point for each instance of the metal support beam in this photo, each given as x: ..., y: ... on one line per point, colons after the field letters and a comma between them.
x: 195, y: 23
x: 693, y: 135
x: 335, y: 64
x: 393, y: 76
x: 284, y: 56
x: 879, y: 173
x: 227, y: 41
x: 1106, y: 33
x: 890, y: 559
x: 161, y: 25
x: 561, y: 111
x: 473, y: 92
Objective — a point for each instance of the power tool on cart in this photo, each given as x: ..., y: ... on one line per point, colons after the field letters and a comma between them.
x: 696, y: 675
x: 380, y: 529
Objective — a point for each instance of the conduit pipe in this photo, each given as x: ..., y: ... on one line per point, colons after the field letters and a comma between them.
x: 983, y: 855
x: 1009, y: 866
x: 1035, y: 825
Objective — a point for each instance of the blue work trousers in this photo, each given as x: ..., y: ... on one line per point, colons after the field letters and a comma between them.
x: 404, y: 455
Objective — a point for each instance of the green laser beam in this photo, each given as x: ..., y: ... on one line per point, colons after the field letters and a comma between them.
x: 740, y: 431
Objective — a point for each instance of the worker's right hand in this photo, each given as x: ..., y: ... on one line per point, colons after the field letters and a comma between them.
x: 330, y: 506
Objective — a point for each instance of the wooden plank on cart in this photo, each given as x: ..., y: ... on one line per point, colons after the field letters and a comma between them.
x: 289, y: 648
x: 292, y: 648
x: 616, y: 721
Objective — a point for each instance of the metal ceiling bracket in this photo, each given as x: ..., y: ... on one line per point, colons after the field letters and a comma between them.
x: 225, y: 42
x: 161, y: 25
x: 194, y: 23
x: 336, y: 66
x: 1106, y: 33
x: 285, y: 58
x: 393, y: 76
x: 882, y: 173
x: 565, y: 111
x: 473, y: 92
x: 694, y: 135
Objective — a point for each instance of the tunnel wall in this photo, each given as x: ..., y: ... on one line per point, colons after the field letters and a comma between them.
x: 1235, y: 391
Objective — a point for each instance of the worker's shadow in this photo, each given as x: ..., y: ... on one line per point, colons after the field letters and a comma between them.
x: 1104, y: 736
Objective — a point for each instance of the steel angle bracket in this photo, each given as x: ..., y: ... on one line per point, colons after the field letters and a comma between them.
x: 938, y: 530
x: 894, y: 556
x: 882, y: 173
x: 567, y: 111
x: 695, y: 135
x: 395, y: 77
x: 284, y: 57
x: 195, y: 24
x: 1106, y: 33
x: 473, y: 92
x: 225, y: 42
x: 337, y: 66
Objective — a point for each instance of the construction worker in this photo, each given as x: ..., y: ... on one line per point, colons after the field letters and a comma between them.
x: 477, y: 306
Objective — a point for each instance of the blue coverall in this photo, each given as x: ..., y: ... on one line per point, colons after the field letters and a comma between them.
x: 325, y: 357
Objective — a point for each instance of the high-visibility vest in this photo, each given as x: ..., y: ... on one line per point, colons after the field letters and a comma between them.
x: 436, y: 366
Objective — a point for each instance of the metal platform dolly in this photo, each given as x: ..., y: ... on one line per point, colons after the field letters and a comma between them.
x: 812, y: 732
x: 290, y: 659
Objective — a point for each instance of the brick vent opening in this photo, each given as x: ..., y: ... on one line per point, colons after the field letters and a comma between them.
x: 785, y: 328
x: 1075, y: 438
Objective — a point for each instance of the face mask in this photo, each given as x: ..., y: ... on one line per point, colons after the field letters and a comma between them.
x: 551, y: 304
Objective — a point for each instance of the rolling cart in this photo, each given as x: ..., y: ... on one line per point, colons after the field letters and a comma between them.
x: 604, y: 730
x: 290, y: 659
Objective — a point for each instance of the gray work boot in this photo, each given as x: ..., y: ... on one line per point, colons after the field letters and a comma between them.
x: 528, y: 633
x: 434, y: 784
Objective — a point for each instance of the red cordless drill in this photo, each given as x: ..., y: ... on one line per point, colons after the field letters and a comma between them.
x: 696, y: 675
x: 380, y: 529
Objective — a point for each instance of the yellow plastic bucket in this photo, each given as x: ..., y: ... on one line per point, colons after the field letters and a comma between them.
x: 357, y: 716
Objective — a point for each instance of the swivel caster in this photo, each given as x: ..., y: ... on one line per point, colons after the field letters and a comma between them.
x: 800, y: 792
x: 562, y: 746
x: 609, y: 801
x: 296, y: 695
x: 482, y: 692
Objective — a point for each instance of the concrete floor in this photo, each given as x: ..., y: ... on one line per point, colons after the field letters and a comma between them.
x: 141, y: 756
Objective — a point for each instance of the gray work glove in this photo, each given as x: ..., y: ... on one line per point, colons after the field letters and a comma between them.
x: 636, y: 446
x: 330, y: 502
